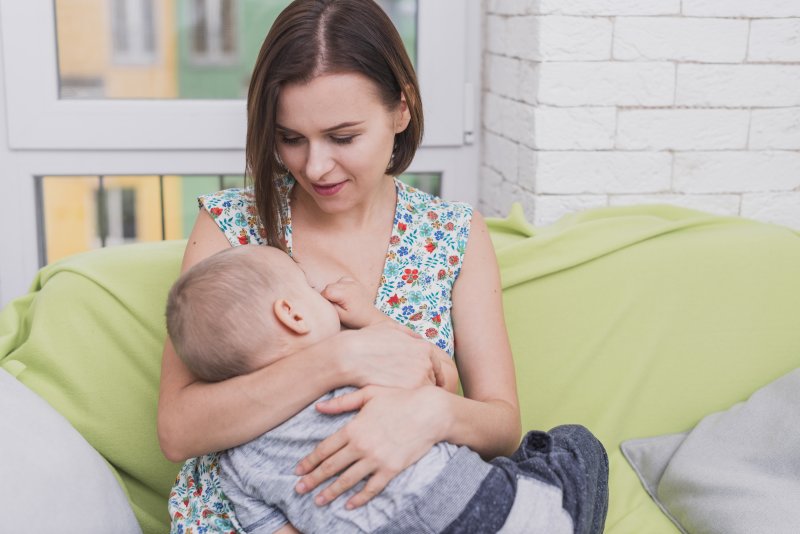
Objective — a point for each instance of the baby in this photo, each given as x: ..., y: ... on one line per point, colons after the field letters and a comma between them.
x: 249, y: 306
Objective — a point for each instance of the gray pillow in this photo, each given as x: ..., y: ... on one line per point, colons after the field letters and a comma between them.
x: 51, y: 479
x: 737, y: 471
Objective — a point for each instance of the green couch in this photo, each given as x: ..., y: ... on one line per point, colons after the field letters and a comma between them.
x: 631, y: 321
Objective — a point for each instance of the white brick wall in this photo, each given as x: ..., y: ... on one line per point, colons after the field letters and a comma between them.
x: 593, y: 103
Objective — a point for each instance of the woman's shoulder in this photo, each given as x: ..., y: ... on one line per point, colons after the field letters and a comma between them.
x: 235, y: 213
x: 427, y: 206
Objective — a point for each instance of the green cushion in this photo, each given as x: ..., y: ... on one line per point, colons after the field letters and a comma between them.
x: 89, y: 337
x: 640, y: 321
x: 632, y: 321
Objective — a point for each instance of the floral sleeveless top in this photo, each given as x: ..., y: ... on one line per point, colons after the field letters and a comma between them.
x: 423, y: 260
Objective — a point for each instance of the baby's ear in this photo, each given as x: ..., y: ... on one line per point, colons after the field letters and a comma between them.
x: 290, y: 317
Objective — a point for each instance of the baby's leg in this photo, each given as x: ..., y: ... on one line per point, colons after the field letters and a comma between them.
x: 569, y: 461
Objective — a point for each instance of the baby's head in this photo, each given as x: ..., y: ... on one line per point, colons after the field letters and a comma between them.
x: 242, y: 309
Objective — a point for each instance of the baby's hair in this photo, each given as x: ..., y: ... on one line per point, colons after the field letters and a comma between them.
x: 219, y: 313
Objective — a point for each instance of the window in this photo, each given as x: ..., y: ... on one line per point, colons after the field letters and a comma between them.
x: 133, y: 34
x: 122, y: 97
x: 79, y: 213
x: 213, y: 30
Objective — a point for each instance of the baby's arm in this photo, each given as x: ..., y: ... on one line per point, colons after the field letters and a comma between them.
x: 355, y: 309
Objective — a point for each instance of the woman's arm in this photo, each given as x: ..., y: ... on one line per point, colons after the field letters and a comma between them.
x: 487, y: 419
x: 395, y: 428
x: 196, y: 417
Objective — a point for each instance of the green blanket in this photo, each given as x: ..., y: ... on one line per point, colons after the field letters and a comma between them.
x: 631, y: 321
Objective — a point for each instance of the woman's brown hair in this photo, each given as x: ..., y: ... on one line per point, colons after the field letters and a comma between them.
x: 314, y: 37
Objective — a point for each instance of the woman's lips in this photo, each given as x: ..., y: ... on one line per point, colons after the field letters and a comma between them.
x: 328, y: 190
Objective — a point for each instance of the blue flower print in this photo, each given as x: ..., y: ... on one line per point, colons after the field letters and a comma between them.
x: 425, y: 230
x: 415, y: 297
x: 438, y: 235
x: 441, y: 344
x: 391, y: 270
x: 402, y: 251
x: 407, y: 218
x: 408, y: 310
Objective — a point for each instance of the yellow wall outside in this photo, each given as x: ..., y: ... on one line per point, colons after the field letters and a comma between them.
x: 70, y: 211
x: 84, y: 50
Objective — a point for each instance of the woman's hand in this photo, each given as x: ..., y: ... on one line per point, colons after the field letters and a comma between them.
x: 394, y: 428
x: 391, y: 355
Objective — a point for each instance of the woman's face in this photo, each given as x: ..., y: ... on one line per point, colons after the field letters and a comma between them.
x: 336, y: 136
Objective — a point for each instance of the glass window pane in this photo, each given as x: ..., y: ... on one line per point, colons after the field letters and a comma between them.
x: 430, y: 182
x: 173, y: 49
x: 81, y: 213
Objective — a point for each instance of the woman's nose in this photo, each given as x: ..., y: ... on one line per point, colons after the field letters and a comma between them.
x: 319, y: 161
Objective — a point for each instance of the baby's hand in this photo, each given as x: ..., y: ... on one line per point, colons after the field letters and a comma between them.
x: 353, y: 303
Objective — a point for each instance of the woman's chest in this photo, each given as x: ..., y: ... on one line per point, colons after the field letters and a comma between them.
x: 326, y: 259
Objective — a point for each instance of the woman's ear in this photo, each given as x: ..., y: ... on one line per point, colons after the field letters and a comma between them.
x: 290, y: 317
x: 402, y: 115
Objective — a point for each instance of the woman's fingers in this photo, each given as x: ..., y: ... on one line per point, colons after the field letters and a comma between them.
x: 326, y: 448
x: 348, y: 402
x: 352, y: 476
x: 436, y: 367
x: 325, y: 470
x: 374, y: 486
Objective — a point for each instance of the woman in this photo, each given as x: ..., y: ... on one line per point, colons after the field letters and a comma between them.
x: 333, y: 114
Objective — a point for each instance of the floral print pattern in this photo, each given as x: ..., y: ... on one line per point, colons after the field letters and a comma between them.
x: 423, y: 260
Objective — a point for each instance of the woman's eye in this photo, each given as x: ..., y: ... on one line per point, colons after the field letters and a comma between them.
x: 290, y: 140
x: 343, y: 140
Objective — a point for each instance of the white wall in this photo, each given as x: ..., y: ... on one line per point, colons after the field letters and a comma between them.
x: 608, y: 102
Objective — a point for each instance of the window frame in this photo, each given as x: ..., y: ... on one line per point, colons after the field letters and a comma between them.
x: 33, y: 96
x: 38, y: 136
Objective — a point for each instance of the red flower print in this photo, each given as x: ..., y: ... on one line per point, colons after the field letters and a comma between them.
x: 453, y: 260
x: 216, y: 212
x: 430, y: 247
x: 410, y: 276
x: 416, y: 317
x: 441, y: 274
x: 402, y: 227
x: 206, y: 512
x: 431, y: 333
x: 394, y: 240
x: 251, y: 210
x: 242, y: 239
x: 449, y: 227
x: 393, y: 301
x: 432, y: 215
x: 437, y: 319
x: 178, y: 515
